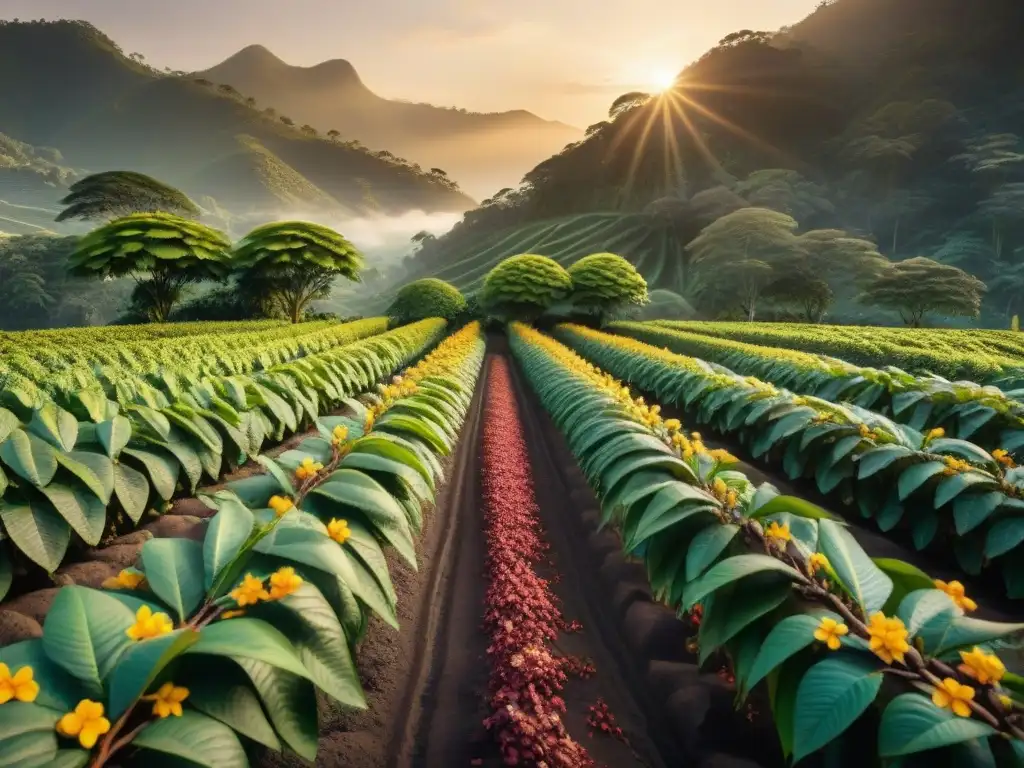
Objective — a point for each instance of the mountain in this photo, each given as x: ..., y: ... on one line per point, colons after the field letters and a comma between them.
x: 898, y: 121
x: 66, y: 85
x: 483, y: 152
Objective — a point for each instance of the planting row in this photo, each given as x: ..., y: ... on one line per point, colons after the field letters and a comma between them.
x: 79, y: 468
x: 43, y: 369
x: 208, y: 650
x: 985, y: 415
x: 989, y: 357
x: 522, y: 618
x: 786, y: 593
x: 943, y: 490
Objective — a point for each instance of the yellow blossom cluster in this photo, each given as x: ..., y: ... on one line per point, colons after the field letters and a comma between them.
x: 128, y: 578
x: 447, y: 356
x: 19, y: 686
x: 308, y: 469
x: 1004, y: 458
x: 283, y: 582
x: 955, y: 466
x: 888, y: 637
x: 934, y: 434
x: 957, y: 594
x: 281, y: 505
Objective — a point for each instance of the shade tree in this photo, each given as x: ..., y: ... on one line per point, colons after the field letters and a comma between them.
x: 162, y: 252
x: 605, y: 283
x: 112, y: 194
x: 292, y: 263
x: 428, y: 297
x: 919, y: 286
x: 524, y: 286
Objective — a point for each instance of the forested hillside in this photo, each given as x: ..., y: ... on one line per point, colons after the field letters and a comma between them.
x: 898, y: 122
x: 66, y: 85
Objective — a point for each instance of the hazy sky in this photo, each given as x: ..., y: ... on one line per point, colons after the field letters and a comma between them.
x: 563, y: 59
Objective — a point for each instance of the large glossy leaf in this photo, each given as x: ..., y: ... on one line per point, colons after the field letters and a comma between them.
x: 733, y: 611
x: 290, y: 702
x: 85, y: 632
x: 916, y: 475
x: 225, y: 693
x: 57, y: 689
x: 905, y: 577
x: 132, y: 489
x: 162, y: 470
x: 831, y: 696
x: 706, y: 547
x: 794, y: 506
x: 857, y: 573
x: 139, y: 665
x: 246, y: 638
x: 195, y: 738
x: 174, y: 571
x: 27, y: 735
x: 789, y: 636
x: 114, y: 435
x: 227, y: 532
x: 36, y: 529
x: 733, y: 569
x: 94, y: 470
x: 275, y: 471
x: 85, y: 513
x: 911, y: 723
x: 55, y: 425
x: 30, y: 457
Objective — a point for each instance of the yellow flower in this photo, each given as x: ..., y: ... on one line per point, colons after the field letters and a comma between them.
x: 86, y: 722
x: 672, y: 424
x: 719, y: 489
x: 338, y: 530
x: 731, y: 499
x: 934, y: 433
x: 956, y: 592
x: 952, y: 695
x: 283, y: 582
x: 722, y: 456
x: 986, y: 668
x: 339, y: 434
x: 955, y: 466
x: 18, y: 686
x: 129, y: 578
x: 250, y: 591
x: 888, y: 638
x: 280, y: 504
x: 778, y: 532
x: 149, y: 625
x: 167, y: 700
x: 232, y: 614
x: 1006, y: 701
x: 1004, y: 458
x: 308, y: 469
x: 829, y: 632
x: 818, y: 562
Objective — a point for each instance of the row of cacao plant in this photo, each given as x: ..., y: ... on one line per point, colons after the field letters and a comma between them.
x: 92, y: 461
x: 833, y: 636
x: 208, y: 651
x: 985, y: 415
x: 949, y: 494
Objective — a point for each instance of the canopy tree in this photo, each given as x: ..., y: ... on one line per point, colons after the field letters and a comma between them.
x: 428, y: 297
x: 803, y: 289
x: 834, y: 254
x: 524, y: 286
x: 786, y: 191
x: 920, y: 285
x: 292, y: 263
x: 161, y: 251
x: 603, y: 283
x: 741, y: 253
x: 112, y: 194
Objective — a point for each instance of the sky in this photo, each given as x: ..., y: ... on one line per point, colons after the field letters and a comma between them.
x: 561, y: 59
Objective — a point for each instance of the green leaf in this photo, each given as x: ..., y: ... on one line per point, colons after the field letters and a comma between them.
x: 6, y: 572
x: 733, y: 569
x: 226, y: 533
x: 948, y: 633
x: 29, y: 457
x: 875, y: 460
x: 279, y: 475
x: 132, y: 489
x: 85, y: 632
x: 831, y: 696
x: 95, y: 470
x: 352, y: 488
x: 36, y: 529
x: 85, y: 513
x: 196, y: 738
x: 916, y: 475
x: 729, y: 613
x: 1004, y: 536
x: 857, y: 573
x: 921, y: 608
x: 139, y: 666
x: 290, y: 702
x: 174, y: 570
x: 114, y: 435
x: 912, y: 723
x: 162, y: 470
x: 788, y: 637
x: 794, y: 506
x: 224, y: 692
x: 27, y: 735
x: 905, y: 577
x: 57, y: 689
x: 55, y: 425
x: 973, y: 509
x: 246, y: 638
x: 706, y: 547
x: 255, y: 491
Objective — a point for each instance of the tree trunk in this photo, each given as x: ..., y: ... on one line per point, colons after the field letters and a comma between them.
x: 895, y: 234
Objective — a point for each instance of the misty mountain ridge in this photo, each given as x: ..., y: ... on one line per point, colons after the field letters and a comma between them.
x: 68, y: 86
x: 483, y: 152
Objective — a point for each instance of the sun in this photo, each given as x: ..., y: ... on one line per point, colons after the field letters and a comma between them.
x: 662, y: 80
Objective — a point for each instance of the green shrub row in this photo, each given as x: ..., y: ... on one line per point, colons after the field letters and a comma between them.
x: 210, y: 650
x: 946, y: 492
x: 831, y: 635
x: 984, y: 415
x: 64, y: 464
